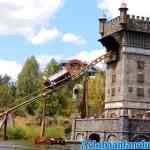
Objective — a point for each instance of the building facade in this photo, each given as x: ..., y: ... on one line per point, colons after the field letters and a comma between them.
x: 127, y: 91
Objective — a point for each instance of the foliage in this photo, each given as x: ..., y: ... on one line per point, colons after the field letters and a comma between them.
x: 31, y: 132
x: 57, y: 131
x: 7, y: 92
x: 96, y: 93
x: 51, y: 68
x: 28, y: 82
x: 68, y: 130
x: 16, y: 133
x: 4, y: 79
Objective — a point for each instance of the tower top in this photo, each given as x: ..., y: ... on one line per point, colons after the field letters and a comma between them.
x: 123, y: 9
x: 123, y: 5
x: 124, y: 22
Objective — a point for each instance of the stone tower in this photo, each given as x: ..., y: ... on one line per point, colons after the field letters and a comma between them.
x: 128, y: 71
x: 127, y: 99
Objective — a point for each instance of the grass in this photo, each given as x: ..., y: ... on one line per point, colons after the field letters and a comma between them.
x: 57, y: 131
x: 16, y: 133
x: 30, y: 132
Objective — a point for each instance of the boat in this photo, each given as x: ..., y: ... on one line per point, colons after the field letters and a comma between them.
x: 49, y: 141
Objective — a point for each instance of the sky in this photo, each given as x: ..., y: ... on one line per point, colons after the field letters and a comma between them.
x: 60, y: 29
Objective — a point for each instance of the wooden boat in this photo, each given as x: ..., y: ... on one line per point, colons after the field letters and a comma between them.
x: 50, y: 141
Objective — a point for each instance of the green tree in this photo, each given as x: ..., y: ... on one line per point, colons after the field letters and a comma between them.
x: 4, y: 79
x: 7, y: 92
x: 51, y: 68
x: 28, y: 82
x: 96, y: 93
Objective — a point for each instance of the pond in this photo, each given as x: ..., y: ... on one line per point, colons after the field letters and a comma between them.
x: 21, y: 145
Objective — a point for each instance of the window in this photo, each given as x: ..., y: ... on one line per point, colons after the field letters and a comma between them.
x: 108, y: 91
x: 113, y: 78
x: 149, y: 92
x: 140, y: 65
x: 118, y: 89
x: 140, y: 78
x: 140, y: 92
x: 113, y: 92
x: 130, y: 89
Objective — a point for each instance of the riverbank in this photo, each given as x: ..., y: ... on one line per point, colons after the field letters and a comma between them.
x: 29, y: 133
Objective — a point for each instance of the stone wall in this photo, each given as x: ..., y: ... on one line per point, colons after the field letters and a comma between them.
x: 121, y: 128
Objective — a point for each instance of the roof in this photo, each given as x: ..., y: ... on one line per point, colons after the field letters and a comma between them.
x: 76, y: 61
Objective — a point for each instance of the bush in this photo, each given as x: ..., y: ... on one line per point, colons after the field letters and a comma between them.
x: 31, y: 132
x: 16, y: 133
x: 55, y: 132
x: 68, y: 131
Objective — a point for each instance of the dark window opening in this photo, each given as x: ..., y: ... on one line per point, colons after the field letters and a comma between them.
x: 113, y: 92
x: 108, y: 91
x: 140, y: 92
x: 140, y: 78
x: 113, y: 78
x: 130, y: 89
x: 119, y: 89
x: 140, y: 65
x: 149, y: 92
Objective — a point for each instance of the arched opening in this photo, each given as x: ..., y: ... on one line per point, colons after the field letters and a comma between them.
x: 138, y: 138
x: 95, y: 137
x: 112, y: 137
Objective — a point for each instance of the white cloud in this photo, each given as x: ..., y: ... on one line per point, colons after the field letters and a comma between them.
x: 89, y: 56
x: 26, y: 17
x: 73, y: 39
x: 136, y: 7
x: 43, y: 60
x: 44, y: 36
x: 10, y: 67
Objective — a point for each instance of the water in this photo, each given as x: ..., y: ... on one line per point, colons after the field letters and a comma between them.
x: 21, y: 145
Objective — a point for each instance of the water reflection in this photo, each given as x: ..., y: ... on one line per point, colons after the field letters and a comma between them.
x: 20, y: 145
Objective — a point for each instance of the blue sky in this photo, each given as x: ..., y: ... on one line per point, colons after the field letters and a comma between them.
x: 77, y: 17
x: 63, y: 29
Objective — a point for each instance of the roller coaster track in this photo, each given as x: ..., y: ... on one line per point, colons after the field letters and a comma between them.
x: 49, y: 89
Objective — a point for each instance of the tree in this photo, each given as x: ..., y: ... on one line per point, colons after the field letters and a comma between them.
x: 96, y: 93
x: 7, y: 92
x: 51, y: 68
x: 4, y: 79
x: 6, y: 96
x: 28, y: 81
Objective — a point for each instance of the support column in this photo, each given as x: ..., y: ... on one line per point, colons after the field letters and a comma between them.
x: 5, y: 127
x: 43, y: 119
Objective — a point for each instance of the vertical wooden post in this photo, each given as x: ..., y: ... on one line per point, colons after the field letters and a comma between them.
x: 86, y: 96
x: 43, y: 119
x: 84, y: 106
x: 5, y: 127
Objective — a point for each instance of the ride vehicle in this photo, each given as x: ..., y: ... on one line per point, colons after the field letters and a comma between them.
x: 58, y: 78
